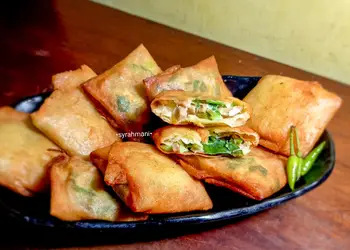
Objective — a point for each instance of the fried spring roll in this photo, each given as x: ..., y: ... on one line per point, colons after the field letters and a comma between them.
x: 78, y: 193
x: 69, y: 119
x: 119, y: 93
x: 190, y: 140
x: 203, y: 78
x: 257, y: 175
x: 278, y: 102
x: 183, y: 108
x: 150, y: 182
x: 72, y: 79
x: 24, y: 153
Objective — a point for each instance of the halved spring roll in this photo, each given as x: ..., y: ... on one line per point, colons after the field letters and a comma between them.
x: 190, y: 140
x: 257, y: 175
x: 149, y: 181
x: 183, y: 108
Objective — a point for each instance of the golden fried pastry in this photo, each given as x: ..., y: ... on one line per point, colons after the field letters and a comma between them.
x: 78, y: 193
x: 183, y: 108
x: 69, y: 119
x: 203, y: 78
x: 190, y: 140
x: 278, y: 102
x: 119, y: 93
x: 257, y: 175
x: 150, y: 182
x: 73, y: 78
x: 24, y: 152
x: 99, y: 158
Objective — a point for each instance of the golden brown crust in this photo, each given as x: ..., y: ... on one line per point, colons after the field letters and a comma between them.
x: 191, y: 167
x: 203, y: 77
x: 73, y: 78
x: 121, y: 92
x: 24, y: 155
x: 101, y: 109
x: 161, y: 134
x: 201, y: 174
x: 113, y: 174
x: 229, y: 186
x: 155, y: 183
x: 153, y: 81
x: 99, y: 158
x: 257, y: 175
x: 8, y: 113
x: 69, y: 119
x: 279, y: 102
x: 77, y: 193
x: 61, y: 208
x: 269, y: 145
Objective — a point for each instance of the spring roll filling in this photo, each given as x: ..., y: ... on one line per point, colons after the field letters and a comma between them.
x: 215, y: 145
x: 211, y: 110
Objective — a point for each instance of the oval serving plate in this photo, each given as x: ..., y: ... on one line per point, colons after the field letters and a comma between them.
x: 227, y: 205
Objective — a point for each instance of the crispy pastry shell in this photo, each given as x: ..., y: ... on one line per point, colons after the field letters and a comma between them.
x: 278, y: 102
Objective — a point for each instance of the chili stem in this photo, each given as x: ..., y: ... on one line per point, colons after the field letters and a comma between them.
x: 291, y: 140
x: 298, y: 142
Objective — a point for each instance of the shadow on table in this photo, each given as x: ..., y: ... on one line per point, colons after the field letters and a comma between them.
x: 33, y: 47
x: 16, y: 236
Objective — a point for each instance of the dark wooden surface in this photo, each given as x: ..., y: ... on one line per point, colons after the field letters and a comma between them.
x: 41, y: 38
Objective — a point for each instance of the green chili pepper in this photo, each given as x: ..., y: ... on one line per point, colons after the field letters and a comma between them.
x: 293, y: 163
x: 299, y: 155
x: 311, y: 158
x: 297, y: 166
x: 300, y: 166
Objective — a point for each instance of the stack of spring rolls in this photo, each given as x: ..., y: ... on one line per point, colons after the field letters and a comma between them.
x: 209, y: 139
x: 72, y: 145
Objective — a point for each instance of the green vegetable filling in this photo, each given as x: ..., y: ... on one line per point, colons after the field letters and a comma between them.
x: 183, y: 148
x: 203, y: 87
x: 223, y: 146
x: 214, y: 146
x: 166, y: 148
x: 142, y: 67
x: 196, y: 85
x: 212, y: 113
x: 258, y: 168
x: 123, y: 103
x: 216, y: 103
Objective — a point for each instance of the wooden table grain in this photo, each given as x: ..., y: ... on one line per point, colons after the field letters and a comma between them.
x: 41, y: 38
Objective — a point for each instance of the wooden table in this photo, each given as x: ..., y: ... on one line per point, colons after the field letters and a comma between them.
x: 41, y: 38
